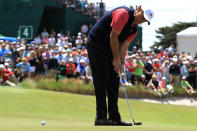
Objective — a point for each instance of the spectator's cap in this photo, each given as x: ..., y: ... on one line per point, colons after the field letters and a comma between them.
x: 184, y: 78
x: 70, y: 43
x: 166, y: 61
x: 83, y: 47
x: 148, y: 15
x: 163, y: 78
x: 82, y: 61
x: 70, y: 60
x: 174, y: 59
x: 68, y: 50
x: 122, y: 74
x: 135, y: 47
x: 154, y: 76
x: 79, y: 34
x: 18, y: 49
x: 59, y: 51
x: 185, y: 62
x: 58, y: 34
x: 79, y: 37
x: 143, y: 76
x: 133, y: 55
x: 156, y: 60
x: 1, y: 41
x: 65, y: 46
x: 6, y: 64
x: 195, y: 61
x: 57, y: 45
x: 2, y: 66
x: 74, y: 48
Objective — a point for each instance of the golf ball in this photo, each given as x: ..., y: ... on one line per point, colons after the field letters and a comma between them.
x: 43, y: 123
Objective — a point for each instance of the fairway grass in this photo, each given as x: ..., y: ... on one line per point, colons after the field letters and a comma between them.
x: 24, y: 109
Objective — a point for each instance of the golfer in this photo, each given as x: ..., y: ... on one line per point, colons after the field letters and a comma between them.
x: 108, y: 41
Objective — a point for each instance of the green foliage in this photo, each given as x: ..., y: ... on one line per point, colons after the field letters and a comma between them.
x: 167, y: 34
x: 79, y: 87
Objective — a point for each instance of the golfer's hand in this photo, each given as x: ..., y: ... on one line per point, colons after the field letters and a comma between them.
x: 117, y: 64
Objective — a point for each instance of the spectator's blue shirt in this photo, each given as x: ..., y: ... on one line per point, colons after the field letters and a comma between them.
x: 81, y: 69
x: 25, y: 67
x: 3, y: 52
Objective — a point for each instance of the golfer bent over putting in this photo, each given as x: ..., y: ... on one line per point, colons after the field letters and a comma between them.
x: 108, y: 41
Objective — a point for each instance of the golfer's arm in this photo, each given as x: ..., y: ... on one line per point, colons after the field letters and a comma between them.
x: 114, y: 43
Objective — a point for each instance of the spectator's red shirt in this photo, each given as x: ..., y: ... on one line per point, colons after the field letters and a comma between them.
x: 156, y: 67
x: 162, y: 54
x: 129, y: 66
x: 5, y: 75
x: 70, y: 69
x: 119, y: 18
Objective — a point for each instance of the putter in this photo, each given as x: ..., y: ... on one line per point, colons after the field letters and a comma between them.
x: 124, y: 89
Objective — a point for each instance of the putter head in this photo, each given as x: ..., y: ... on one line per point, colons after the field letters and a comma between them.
x: 138, y: 123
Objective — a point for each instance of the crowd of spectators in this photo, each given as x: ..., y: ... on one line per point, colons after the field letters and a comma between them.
x: 95, y: 10
x: 48, y: 55
x: 160, y: 69
x: 59, y: 55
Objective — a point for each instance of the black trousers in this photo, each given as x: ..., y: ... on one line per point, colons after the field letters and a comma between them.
x: 106, y: 81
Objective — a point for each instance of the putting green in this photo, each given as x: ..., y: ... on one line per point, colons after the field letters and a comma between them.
x: 24, y: 109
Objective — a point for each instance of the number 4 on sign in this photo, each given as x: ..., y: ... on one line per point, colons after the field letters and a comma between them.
x: 25, y: 33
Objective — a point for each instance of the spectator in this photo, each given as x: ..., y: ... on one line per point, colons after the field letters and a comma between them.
x: 24, y: 67
x: 165, y: 70
x: 162, y: 86
x: 185, y: 85
x: 148, y: 68
x: 40, y: 70
x: 5, y: 76
x: 81, y: 69
x: 44, y: 34
x: 52, y: 40
x: 70, y: 69
x: 153, y: 83
x: 184, y: 69
x: 123, y: 81
x: 46, y: 56
x: 174, y: 72
x: 38, y: 40
x: 193, y: 74
x: 144, y: 81
x: 62, y: 68
x: 157, y: 69
x: 53, y: 66
x: 139, y: 66
x: 32, y: 62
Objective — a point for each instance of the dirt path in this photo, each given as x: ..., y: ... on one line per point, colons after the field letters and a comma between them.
x: 173, y: 101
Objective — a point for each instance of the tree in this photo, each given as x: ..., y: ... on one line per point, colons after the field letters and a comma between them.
x: 167, y: 34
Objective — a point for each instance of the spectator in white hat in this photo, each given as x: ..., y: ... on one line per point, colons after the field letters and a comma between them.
x: 81, y: 69
x: 162, y: 86
x: 70, y: 69
x: 185, y: 85
x: 157, y: 69
x: 184, y: 69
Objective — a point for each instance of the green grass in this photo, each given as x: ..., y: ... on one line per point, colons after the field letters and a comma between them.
x: 24, y: 109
